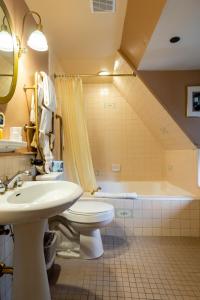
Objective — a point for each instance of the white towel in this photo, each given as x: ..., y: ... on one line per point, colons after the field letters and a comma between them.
x: 44, y: 143
x: 32, y: 112
x: 46, y: 121
x: 47, y: 102
x: 116, y: 195
x: 49, y: 92
x: 40, y: 91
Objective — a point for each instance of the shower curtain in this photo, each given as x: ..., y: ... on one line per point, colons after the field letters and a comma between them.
x: 76, y: 154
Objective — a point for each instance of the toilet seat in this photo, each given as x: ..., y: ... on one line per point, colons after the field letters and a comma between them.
x: 89, y: 212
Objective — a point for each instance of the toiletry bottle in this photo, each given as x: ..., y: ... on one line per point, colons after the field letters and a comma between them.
x: 2, y: 124
x: 1, y: 133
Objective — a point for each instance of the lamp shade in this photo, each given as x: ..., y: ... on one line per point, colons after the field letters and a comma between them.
x: 37, y: 41
x: 6, y: 41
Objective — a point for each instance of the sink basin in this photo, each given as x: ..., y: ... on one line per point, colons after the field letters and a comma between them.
x: 37, y: 200
x: 10, y: 145
x: 28, y: 208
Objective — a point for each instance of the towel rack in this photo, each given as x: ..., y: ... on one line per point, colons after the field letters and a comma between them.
x: 36, y: 126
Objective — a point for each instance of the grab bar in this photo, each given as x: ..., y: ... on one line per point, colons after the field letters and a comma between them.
x: 61, y: 135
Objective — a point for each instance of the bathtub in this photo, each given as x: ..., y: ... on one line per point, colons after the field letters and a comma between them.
x: 160, y: 190
x: 161, y: 209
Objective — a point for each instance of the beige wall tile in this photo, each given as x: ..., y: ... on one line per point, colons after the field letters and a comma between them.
x: 181, y: 169
x: 118, y: 135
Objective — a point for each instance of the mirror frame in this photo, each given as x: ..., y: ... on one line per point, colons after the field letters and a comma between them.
x: 8, y: 97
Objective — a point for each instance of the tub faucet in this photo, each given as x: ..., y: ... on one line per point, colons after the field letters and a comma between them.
x: 14, y: 181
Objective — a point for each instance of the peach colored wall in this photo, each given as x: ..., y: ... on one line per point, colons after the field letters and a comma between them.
x: 170, y: 88
x: 181, y: 169
x: 151, y: 112
x: 117, y: 135
x: 180, y: 153
x: 140, y: 21
x: 16, y: 110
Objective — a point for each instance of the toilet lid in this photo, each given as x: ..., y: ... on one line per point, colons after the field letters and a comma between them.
x: 89, y: 212
x: 90, y: 207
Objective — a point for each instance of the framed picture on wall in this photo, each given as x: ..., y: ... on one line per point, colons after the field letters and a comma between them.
x: 193, y: 101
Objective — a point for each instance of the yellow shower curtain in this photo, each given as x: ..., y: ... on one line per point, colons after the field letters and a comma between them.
x: 76, y: 154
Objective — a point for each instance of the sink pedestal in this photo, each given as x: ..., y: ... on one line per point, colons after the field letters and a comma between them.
x: 30, y: 275
x: 28, y: 207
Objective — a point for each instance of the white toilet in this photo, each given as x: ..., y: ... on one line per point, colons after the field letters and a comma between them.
x: 86, y: 217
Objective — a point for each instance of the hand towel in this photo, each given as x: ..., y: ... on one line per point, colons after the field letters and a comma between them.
x: 49, y: 92
x: 46, y: 121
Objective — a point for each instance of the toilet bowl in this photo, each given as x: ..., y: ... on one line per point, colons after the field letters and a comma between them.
x: 86, y: 217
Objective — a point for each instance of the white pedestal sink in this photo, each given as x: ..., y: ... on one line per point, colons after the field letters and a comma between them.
x: 27, y: 208
x: 10, y: 145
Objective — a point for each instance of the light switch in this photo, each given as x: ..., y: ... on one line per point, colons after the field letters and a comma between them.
x: 116, y: 167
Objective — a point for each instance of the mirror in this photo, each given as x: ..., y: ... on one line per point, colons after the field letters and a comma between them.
x: 8, y: 56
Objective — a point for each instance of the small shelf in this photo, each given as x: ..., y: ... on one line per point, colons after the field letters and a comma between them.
x: 17, y: 153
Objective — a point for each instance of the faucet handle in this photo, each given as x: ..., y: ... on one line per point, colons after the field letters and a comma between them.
x: 3, y: 178
x: 28, y: 172
x: 19, y: 182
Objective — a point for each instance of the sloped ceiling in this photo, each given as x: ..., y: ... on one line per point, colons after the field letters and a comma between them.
x: 140, y: 21
x: 150, y: 111
x: 148, y: 27
x: 178, y: 18
x: 170, y: 87
x: 84, y: 42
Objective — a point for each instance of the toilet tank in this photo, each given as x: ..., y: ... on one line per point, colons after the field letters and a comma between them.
x: 51, y: 176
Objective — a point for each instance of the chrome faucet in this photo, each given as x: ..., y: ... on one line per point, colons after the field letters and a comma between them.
x: 13, y: 182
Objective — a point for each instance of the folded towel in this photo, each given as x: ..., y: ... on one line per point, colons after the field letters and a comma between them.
x: 116, y: 195
x: 49, y: 92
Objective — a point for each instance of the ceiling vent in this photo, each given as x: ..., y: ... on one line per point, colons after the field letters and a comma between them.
x: 98, y: 6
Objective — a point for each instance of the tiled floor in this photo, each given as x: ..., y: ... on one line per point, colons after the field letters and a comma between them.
x: 133, y: 268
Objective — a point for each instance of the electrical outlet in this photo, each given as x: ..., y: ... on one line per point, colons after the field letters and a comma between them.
x: 170, y: 167
x: 116, y: 167
x: 98, y: 173
x: 109, y: 105
x: 124, y: 213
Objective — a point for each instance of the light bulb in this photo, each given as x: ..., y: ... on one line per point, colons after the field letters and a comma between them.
x: 116, y: 65
x: 6, y: 41
x: 37, y: 41
x: 104, y: 73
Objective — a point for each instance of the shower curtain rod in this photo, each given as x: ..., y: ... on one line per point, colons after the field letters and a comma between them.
x: 92, y: 75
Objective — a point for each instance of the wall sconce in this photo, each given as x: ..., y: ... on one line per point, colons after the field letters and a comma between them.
x: 36, y: 40
x: 6, y: 40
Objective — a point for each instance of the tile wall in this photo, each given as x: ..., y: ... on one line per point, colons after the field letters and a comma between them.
x: 150, y: 111
x: 118, y: 136
x: 180, y: 153
x: 128, y: 126
x: 181, y: 169
x: 154, y: 218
